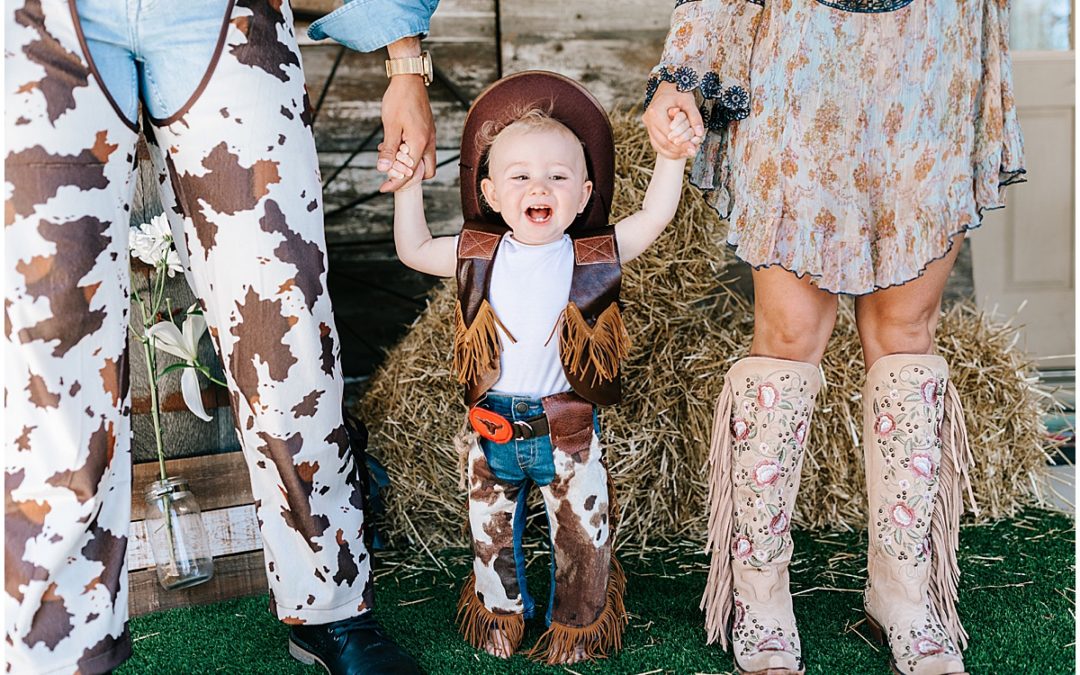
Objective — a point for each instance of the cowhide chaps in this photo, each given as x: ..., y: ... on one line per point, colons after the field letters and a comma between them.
x: 240, y: 181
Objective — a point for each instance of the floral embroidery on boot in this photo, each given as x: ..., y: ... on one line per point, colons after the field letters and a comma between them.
x: 904, y: 453
x: 771, y: 402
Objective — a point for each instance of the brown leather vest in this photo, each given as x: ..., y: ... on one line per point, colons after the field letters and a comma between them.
x: 591, y: 366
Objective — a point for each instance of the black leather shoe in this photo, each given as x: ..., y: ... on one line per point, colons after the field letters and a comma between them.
x: 356, y: 646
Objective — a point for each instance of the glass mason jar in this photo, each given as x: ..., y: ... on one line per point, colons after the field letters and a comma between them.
x: 177, y: 536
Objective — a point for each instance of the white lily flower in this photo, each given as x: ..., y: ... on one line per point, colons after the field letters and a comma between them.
x: 185, y: 345
x: 153, y: 242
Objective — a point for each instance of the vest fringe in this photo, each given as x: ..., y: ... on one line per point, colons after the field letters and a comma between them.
x: 601, y: 346
x: 718, y: 600
x: 476, y: 347
x: 598, y: 639
x: 475, y: 621
x: 953, y: 481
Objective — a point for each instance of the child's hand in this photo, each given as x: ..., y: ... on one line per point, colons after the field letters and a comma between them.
x: 405, y: 167
x: 667, y: 101
x: 681, y: 136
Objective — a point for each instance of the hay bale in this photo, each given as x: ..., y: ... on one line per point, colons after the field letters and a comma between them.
x: 688, y: 327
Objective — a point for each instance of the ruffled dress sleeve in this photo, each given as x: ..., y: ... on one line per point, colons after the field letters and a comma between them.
x: 999, y: 146
x: 708, y: 51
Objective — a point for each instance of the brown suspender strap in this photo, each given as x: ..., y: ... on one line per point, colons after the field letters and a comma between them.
x: 570, y: 420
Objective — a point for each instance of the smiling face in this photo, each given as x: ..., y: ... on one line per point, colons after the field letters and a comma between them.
x: 537, y: 180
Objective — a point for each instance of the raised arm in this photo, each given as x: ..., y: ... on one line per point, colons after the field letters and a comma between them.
x: 636, y: 232
x: 412, y: 238
x: 398, y: 25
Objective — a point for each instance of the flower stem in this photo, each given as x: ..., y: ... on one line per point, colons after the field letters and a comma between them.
x: 155, y: 415
x: 205, y: 370
x: 150, y: 354
x: 154, y: 412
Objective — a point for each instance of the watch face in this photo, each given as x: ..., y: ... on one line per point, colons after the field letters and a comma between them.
x: 425, y: 58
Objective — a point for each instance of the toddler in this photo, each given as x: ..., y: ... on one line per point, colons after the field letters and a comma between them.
x: 538, y: 343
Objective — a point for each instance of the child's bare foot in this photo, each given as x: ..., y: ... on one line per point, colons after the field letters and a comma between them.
x: 565, y: 658
x: 498, y: 644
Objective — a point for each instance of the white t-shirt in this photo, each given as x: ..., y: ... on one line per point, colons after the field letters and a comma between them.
x: 530, y: 286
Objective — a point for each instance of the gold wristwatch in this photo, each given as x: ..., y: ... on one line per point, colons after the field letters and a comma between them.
x: 413, y: 65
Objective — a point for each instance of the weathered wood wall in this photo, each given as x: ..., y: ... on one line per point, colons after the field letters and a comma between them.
x: 608, y: 46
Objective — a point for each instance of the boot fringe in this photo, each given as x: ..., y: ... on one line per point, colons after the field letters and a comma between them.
x: 602, y: 346
x: 953, y: 481
x: 718, y: 600
x: 598, y: 639
x: 475, y: 621
x: 476, y: 347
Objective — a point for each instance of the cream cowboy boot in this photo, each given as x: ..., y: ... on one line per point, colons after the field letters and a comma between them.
x: 916, y: 456
x: 762, y: 421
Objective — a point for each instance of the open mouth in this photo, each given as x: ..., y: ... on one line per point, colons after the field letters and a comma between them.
x: 538, y: 215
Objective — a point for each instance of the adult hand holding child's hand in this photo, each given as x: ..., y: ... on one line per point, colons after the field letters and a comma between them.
x: 405, y: 168
x: 682, y: 135
x: 658, y: 118
x: 406, y: 116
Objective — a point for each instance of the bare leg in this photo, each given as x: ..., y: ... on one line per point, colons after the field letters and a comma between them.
x: 903, y: 319
x: 761, y: 424
x: 792, y: 318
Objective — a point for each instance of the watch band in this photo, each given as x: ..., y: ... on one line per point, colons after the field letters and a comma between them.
x: 412, y: 65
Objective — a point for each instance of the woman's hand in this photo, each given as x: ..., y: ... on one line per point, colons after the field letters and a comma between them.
x: 659, y: 117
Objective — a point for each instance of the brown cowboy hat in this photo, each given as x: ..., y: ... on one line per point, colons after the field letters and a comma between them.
x: 572, y: 105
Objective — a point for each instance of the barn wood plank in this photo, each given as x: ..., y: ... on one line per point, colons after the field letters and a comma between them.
x: 234, y: 577
x: 217, y: 481
x: 230, y: 531
x: 611, y: 52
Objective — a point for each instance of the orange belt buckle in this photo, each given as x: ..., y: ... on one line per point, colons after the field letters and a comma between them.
x: 490, y: 425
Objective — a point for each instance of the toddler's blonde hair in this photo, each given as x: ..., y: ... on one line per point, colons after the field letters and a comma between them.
x: 533, y: 117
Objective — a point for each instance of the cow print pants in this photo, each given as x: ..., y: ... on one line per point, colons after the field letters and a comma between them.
x: 240, y: 182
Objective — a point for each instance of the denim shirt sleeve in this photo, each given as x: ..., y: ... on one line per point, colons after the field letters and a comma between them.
x: 367, y: 25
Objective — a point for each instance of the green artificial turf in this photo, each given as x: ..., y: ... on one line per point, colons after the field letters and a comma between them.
x: 1016, y: 600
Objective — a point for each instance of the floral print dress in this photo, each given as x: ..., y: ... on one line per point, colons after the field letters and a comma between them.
x: 848, y: 140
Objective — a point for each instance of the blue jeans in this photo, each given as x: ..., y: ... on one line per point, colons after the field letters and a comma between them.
x: 154, y: 51
x: 521, y: 463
